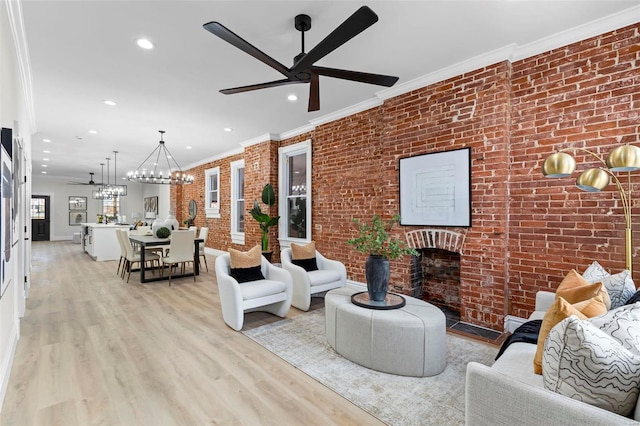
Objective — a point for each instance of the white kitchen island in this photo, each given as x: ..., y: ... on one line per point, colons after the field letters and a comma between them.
x: 100, y: 242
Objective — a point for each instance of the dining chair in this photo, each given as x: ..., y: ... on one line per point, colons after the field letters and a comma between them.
x: 134, y: 257
x: 204, y: 232
x: 180, y: 252
x: 123, y: 254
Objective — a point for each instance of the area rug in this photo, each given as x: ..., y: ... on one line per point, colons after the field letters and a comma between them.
x: 395, y: 400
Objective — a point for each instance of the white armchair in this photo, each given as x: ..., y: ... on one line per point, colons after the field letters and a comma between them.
x: 273, y: 294
x: 330, y: 274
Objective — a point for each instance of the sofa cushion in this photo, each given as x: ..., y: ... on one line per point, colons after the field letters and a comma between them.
x: 560, y: 310
x: 324, y: 276
x: 261, y: 288
x: 584, y: 363
x: 623, y: 324
x: 574, y: 288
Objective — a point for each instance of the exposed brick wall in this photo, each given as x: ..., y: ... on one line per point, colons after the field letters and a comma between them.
x: 583, y: 95
x: 527, y: 231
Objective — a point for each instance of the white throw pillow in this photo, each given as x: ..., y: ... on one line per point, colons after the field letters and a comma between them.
x: 619, y: 286
x: 584, y: 363
x: 623, y: 324
x: 595, y: 272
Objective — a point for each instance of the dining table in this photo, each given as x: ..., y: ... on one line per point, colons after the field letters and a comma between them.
x: 148, y: 241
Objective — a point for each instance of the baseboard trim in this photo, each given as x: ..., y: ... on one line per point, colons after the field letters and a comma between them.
x: 5, y: 368
x: 512, y: 322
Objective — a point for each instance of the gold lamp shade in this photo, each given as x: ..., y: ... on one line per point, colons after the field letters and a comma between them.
x: 593, y: 180
x: 625, y: 158
x: 558, y: 165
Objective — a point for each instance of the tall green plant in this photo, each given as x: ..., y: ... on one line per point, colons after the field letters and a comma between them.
x: 374, y: 239
x: 265, y: 221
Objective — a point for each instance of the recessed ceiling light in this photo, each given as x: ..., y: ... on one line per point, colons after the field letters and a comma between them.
x: 45, y: 159
x: 44, y: 165
x: 46, y: 140
x: 43, y: 172
x: 228, y: 129
x: 93, y: 132
x: 145, y: 44
x: 46, y: 151
x: 168, y: 156
x: 188, y: 147
x: 110, y: 103
x: 292, y: 97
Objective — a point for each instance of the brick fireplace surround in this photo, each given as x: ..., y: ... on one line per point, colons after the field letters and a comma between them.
x: 527, y: 231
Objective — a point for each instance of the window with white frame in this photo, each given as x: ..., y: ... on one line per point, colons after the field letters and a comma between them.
x: 212, y: 192
x: 237, y: 202
x: 295, y: 193
x: 110, y: 206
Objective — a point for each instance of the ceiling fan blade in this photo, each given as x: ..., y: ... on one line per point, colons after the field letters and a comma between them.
x: 314, y: 93
x: 229, y: 36
x: 259, y: 86
x: 363, y: 77
x: 361, y: 19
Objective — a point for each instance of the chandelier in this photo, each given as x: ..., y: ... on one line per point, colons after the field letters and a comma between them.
x: 153, y: 172
x: 108, y: 191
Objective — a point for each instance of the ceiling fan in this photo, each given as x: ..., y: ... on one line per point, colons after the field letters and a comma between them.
x: 303, y: 70
x: 91, y: 182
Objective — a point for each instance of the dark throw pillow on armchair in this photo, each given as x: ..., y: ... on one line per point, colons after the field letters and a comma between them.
x: 306, y: 264
x: 243, y: 275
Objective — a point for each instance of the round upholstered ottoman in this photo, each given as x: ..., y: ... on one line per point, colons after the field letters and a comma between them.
x: 409, y: 341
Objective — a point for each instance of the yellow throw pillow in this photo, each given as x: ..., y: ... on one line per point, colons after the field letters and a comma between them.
x: 306, y: 251
x: 574, y: 288
x: 593, y: 307
x: 559, y: 310
x: 248, y: 259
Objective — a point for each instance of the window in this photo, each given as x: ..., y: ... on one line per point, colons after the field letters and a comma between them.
x: 110, y: 206
x: 212, y: 192
x: 237, y: 202
x: 37, y: 208
x: 295, y: 196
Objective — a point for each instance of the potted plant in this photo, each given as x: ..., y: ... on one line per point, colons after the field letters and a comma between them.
x: 266, y: 222
x: 374, y: 239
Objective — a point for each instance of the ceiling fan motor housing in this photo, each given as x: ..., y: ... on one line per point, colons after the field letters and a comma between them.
x: 302, y: 22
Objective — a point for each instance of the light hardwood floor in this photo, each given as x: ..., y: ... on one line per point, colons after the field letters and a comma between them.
x: 95, y: 350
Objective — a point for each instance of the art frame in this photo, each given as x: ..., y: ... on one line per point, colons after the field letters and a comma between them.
x: 77, y: 203
x: 151, y: 205
x: 77, y: 217
x: 435, y: 189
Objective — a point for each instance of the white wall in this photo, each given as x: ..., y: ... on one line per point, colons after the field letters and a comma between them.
x: 60, y: 190
x: 13, y: 110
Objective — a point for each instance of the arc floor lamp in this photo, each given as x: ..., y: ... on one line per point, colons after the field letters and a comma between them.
x: 625, y: 158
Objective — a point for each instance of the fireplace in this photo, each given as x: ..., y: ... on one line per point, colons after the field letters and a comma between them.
x: 441, y: 278
x: 436, y: 272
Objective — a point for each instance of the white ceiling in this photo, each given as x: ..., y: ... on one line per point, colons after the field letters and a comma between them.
x: 83, y: 52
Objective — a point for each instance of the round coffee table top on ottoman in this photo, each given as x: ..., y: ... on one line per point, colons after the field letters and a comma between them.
x: 409, y: 341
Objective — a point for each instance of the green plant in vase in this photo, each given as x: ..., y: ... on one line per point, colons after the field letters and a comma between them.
x: 374, y: 239
x: 266, y: 222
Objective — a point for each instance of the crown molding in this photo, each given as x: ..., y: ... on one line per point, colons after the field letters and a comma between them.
x: 345, y: 112
x: 581, y: 32
x: 297, y: 132
x: 213, y: 158
x: 16, y: 23
x: 260, y: 139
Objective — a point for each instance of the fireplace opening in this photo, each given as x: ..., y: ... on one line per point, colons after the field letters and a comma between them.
x: 441, y: 281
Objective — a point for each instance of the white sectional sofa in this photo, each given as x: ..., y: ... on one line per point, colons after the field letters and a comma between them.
x: 510, y: 393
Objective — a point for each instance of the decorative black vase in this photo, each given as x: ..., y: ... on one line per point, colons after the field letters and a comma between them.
x: 377, y: 272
